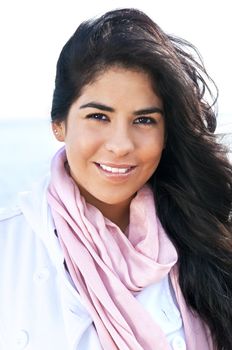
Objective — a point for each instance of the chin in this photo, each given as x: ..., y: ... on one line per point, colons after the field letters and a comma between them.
x: 115, y: 200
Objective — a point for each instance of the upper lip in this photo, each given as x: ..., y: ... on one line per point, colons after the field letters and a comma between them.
x: 120, y: 166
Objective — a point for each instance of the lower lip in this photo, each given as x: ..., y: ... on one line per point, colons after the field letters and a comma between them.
x: 115, y: 176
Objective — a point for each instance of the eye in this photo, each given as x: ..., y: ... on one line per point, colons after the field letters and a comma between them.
x: 145, y: 121
x: 97, y: 116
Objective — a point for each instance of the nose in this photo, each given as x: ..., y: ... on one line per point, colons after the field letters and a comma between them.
x: 120, y: 141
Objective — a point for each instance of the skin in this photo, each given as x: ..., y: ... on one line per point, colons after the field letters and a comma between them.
x: 106, y: 125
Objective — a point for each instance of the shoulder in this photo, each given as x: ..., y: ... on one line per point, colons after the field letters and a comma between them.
x: 32, y: 198
x: 15, y: 236
x: 11, y: 221
x: 9, y: 213
x: 19, y: 231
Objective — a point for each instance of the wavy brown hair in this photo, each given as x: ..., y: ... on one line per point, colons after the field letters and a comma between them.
x: 193, y: 183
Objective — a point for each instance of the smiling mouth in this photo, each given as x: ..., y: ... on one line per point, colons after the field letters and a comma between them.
x: 115, y: 170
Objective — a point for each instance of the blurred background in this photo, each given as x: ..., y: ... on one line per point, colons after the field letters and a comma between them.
x: 32, y: 34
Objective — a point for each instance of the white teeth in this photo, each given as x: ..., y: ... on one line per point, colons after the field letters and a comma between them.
x: 114, y: 170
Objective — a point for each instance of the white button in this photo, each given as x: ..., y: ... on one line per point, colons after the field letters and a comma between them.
x: 21, y: 340
x: 41, y: 275
x: 178, y: 343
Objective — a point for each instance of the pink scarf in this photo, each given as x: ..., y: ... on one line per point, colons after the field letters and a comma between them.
x: 108, y: 268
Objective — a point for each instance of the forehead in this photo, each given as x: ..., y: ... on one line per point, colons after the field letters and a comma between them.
x: 121, y: 85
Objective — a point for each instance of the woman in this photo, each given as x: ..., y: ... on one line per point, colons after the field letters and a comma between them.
x: 127, y: 245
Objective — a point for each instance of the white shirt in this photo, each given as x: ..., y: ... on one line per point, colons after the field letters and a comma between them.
x: 39, y: 307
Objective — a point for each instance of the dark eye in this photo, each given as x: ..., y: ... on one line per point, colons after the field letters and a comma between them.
x: 97, y: 116
x: 145, y: 120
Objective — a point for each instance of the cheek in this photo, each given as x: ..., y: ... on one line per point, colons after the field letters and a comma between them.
x: 151, y: 150
x: 83, y: 146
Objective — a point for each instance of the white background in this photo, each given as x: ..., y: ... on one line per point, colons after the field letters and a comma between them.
x: 32, y: 34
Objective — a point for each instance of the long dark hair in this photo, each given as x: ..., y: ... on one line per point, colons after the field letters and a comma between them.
x: 193, y: 182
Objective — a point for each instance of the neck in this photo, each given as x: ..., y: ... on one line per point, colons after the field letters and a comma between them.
x: 118, y: 213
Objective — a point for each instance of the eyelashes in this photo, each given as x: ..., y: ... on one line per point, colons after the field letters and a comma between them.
x: 97, y: 116
x: 145, y: 120
x: 142, y: 120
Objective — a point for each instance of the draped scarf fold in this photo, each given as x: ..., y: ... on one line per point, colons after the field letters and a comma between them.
x: 107, y: 267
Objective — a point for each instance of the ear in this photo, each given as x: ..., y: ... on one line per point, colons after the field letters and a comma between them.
x: 58, y: 128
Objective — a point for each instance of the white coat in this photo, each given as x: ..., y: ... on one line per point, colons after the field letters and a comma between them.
x: 39, y: 306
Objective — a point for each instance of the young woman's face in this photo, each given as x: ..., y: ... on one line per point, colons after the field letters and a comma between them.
x: 114, y: 136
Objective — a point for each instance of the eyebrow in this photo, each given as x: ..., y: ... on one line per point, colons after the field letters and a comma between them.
x: 110, y: 109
